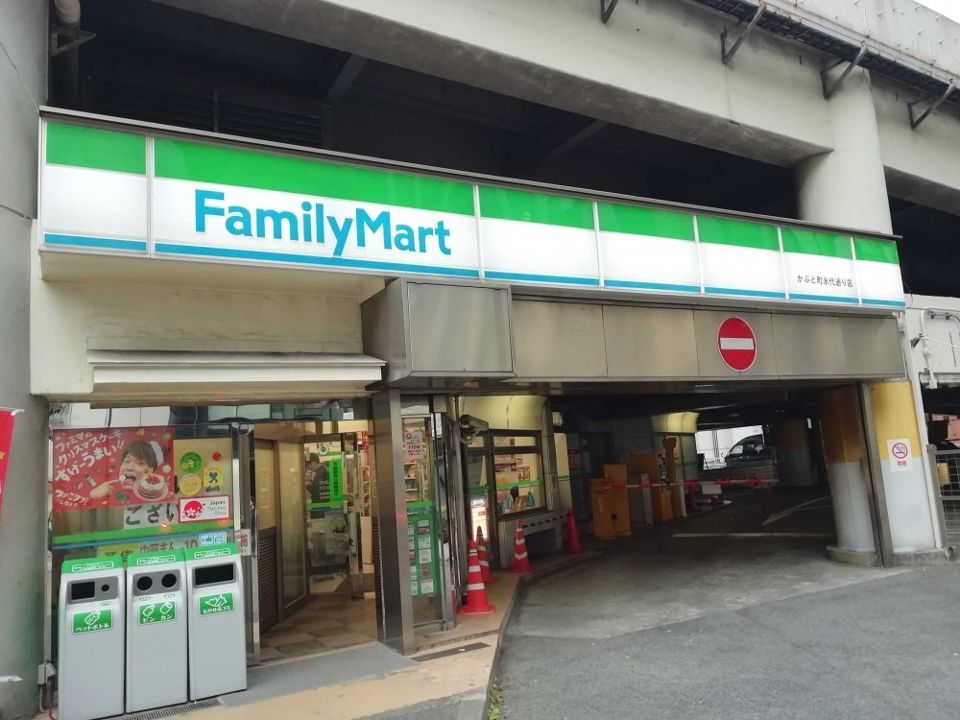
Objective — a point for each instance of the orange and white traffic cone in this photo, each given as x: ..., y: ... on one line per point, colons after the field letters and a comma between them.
x: 477, y: 603
x: 573, y: 537
x: 521, y: 563
x: 484, y: 558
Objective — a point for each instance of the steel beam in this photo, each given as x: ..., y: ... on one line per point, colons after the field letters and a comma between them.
x: 829, y: 88
x: 565, y: 146
x: 728, y: 54
x: 915, y: 121
x: 348, y: 73
x: 606, y: 10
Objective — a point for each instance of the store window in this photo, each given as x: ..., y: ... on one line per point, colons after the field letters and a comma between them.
x: 518, y: 472
x: 423, y: 519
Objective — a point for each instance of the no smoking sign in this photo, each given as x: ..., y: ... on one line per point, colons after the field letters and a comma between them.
x: 900, y: 456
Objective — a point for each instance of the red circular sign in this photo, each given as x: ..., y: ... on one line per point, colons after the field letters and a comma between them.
x: 737, y: 344
x: 900, y: 450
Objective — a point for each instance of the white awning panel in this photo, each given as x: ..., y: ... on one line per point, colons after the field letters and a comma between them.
x: 142, y: 377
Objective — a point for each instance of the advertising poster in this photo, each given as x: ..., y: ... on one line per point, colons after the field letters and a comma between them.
x: 112, y: 467
x: 412, y: 445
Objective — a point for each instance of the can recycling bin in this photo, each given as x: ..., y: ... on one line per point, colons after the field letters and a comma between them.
x: 90, y: 639
x: 217, y: 637
x: 156, y: 630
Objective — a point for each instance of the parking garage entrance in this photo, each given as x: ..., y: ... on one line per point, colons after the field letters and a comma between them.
x: 731, y: 462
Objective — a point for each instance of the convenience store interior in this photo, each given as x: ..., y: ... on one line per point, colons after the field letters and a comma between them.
x: 314, y: 501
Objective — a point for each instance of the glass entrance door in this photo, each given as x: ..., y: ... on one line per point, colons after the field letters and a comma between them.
x: 328, y: 525
x: 293, y: 525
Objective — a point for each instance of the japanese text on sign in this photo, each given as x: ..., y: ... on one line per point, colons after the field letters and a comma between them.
x: 110, y: 468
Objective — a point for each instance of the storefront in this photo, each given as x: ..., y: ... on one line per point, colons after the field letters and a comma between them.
x: 283, y: 343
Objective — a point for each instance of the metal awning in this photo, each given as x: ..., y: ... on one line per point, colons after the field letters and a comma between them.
x: 123, y: 377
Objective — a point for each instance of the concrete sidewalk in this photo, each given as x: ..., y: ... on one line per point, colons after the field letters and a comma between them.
x: 447, y: 677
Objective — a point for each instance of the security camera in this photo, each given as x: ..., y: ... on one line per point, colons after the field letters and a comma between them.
x: 471, y: 426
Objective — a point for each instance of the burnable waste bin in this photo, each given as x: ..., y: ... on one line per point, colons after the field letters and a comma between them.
x: 90, y: 639
x: 217, y: 639
x: 156, y: 630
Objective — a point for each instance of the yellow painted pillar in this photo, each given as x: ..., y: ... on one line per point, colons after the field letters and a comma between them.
x: 909, y: 499
x: 847, y: 468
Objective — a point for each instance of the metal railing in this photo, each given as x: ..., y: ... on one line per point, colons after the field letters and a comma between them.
x: 948, y: 479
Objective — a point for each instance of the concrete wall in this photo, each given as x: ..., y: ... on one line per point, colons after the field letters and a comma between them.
x: 22, y: 89
x: 74, y: 317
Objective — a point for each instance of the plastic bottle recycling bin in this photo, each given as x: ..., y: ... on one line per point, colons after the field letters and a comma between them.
x: 90, y: 634
x: 156, y: 630
x: 217, y: 638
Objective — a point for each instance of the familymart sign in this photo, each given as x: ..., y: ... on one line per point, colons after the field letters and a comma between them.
x: 106, y: 191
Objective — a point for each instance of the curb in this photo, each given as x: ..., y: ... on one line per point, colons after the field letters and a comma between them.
x: 570, y: 561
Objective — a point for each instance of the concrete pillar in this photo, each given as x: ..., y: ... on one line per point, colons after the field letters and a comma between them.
x: 395, y: 619
x: 23, y: 39
x: 846, y: 187
x: 791, y: 438
x: 908, y: 495
x: 847, y: 469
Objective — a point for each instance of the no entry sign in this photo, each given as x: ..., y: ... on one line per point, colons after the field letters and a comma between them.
x: 737, y: 344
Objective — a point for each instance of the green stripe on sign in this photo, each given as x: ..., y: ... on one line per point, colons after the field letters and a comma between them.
x: 504, y: 204
x: 725, y: 231
x: 813, y: 242
x: 876, y: 250
x: 95, y: 148
x: 645, y: 221
x: 181, y: 160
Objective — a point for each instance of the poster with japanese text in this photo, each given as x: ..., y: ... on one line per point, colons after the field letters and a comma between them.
x: 112, y: 467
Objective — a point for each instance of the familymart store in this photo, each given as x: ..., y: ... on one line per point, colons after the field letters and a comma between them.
x: 276, y: 346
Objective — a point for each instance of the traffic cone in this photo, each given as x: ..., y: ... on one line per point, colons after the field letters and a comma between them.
x: 484, y: 558
x: 521, y: 563
x: 477, y: 603
x: 573, y: 537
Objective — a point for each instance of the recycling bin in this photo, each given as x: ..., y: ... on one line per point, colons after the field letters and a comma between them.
x: 90, y: 639
x: 156, y: 630
x: 217, y: 648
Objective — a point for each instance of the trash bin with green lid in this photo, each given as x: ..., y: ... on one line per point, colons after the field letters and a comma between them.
x: 156, y: 630
x: 217, y: 647
x: 90, y: 639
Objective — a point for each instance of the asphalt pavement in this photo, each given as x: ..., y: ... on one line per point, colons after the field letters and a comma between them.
x: 715, y: 622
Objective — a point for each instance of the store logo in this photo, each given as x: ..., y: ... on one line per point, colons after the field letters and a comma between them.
x: 310, y: 223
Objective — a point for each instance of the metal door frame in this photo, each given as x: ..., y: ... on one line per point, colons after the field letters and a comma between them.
x: 285, y: 610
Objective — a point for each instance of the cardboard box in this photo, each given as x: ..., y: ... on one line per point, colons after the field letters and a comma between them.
x: 617, y: 473
x: 662, y: 500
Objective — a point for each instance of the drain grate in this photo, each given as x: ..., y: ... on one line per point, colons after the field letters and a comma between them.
x: 452, y: 651
x: 171, y: 711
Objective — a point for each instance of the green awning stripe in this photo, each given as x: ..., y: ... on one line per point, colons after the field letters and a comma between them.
x: 726, y: 231
x: 505, y: 204
x: 645, y: 221
x: 95, y: 148
x: 196, y: 162
x: 814, y: 242
x: 876, y: 250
